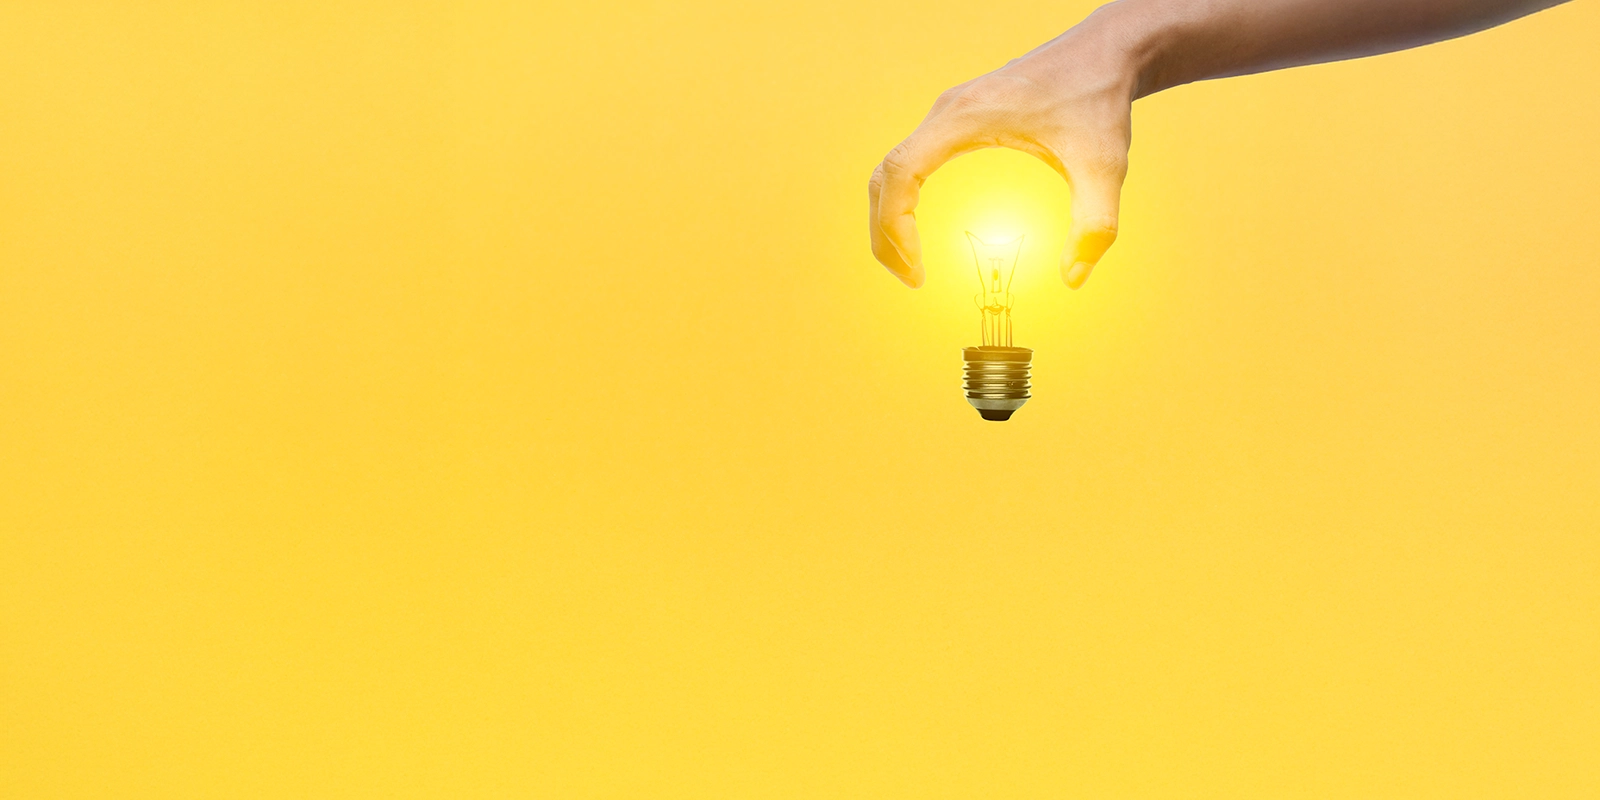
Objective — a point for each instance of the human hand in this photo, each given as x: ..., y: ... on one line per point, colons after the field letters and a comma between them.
x: 1068, y: 102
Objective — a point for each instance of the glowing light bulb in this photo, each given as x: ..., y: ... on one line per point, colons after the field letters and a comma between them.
x: 996, y: 372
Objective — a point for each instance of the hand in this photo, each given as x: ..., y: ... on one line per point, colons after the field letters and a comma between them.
x: 1068, y: 103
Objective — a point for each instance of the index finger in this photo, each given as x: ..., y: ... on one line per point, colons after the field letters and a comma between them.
x: 904, y: 169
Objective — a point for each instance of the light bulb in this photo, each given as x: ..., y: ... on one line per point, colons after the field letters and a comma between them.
x: 996, y: 373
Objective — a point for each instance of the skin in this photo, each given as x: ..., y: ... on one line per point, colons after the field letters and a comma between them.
x: 1069, y: 101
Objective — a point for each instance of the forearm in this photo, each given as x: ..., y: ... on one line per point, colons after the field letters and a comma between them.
x: 1174, y: 42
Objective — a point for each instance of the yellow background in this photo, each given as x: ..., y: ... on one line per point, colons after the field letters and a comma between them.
x: 500, y: 400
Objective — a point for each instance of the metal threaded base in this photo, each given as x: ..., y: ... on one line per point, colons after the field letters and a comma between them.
x: 997, y: 380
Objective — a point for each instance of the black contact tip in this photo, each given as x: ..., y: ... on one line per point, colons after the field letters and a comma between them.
x: 994, y: 415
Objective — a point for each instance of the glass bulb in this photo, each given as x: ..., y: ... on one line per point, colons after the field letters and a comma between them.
x: 996, y: 264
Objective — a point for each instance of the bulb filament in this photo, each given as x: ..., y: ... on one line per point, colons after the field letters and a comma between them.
x: 994, y: 302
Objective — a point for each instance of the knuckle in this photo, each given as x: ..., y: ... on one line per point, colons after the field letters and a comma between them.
x: 875, y: 183
x: 1106, y: 158
x: 1104, y: 224
x: 996, y: 93
x: 896, y: 164
x: 988, y: 94
x: 1101, y: 220
x: 977, y: 100
x: 1099, y: 226
x: 948, y: 96
x: 889, y: 224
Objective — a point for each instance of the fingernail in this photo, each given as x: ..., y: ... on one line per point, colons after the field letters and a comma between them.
x: 1078, y: 274
x: 912, y: 277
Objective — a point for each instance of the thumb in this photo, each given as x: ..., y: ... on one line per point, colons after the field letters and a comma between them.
x: 1095, y: 199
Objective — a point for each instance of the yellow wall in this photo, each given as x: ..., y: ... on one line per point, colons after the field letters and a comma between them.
x: 493, y: 400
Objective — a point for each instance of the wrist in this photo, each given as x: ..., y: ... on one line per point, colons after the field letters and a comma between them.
x: 1144, y: 37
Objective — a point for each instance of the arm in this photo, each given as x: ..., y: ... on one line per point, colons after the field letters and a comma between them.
x: 1068, y: 101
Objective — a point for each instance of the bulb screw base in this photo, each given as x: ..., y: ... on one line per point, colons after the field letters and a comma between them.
x: 997, y: 380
